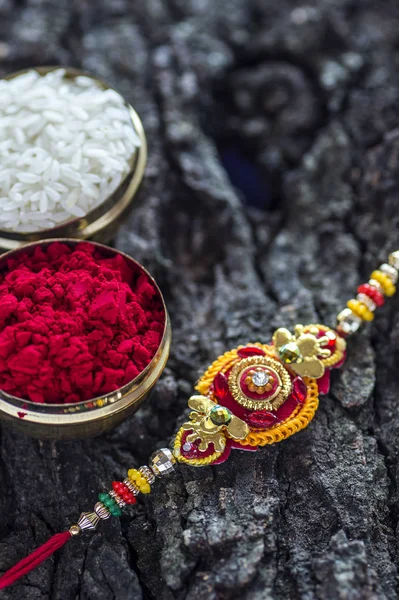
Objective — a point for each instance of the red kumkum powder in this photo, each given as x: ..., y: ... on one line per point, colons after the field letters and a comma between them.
x: 75, y: 324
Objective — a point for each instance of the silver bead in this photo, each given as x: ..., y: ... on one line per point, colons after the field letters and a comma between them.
x: 367, y: 301
x: 147, y: 473
x: 394, y: 259
x: 88, y: 520
x: 162, y: 462
x: 131, y: 486
x: 390, y: 271
x: 348, y: 322
x: 102, y: 511
x: 376, y: 284
x: 121, y: 503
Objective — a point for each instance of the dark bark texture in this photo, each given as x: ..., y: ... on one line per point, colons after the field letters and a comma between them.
x: 271, y: 192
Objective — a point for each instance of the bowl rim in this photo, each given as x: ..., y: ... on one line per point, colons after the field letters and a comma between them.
x: 113, y: 206
x: 107, y: 403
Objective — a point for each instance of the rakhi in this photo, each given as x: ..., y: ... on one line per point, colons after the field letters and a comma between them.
x: 251, y: 396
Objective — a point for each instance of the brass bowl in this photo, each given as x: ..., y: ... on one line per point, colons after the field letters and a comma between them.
x: 91, y: 417
x: 101, y: 222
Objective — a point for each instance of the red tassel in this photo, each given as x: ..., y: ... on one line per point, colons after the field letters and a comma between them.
x: 26, y: 565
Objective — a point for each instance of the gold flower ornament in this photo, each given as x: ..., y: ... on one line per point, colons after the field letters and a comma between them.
x: 210, y: 423
x: 302, y: 351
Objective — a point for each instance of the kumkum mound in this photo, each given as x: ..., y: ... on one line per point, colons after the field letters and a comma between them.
x: 76, y: 322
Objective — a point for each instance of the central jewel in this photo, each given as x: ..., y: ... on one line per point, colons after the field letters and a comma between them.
x: 260, y: 378
x: 259, y: 381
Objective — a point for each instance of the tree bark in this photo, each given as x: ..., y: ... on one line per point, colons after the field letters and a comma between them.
x: 271, y: 192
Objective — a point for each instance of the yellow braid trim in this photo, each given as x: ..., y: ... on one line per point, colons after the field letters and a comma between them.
x: 194, y: 462
x: 385, y: 281
x: 301, y: 419
x: 223, y: 364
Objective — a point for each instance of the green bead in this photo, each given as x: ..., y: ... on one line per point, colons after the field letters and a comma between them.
x: 220, y: 415
x: 106, y: 500
x: 115, y: 511
x: 289, y: 353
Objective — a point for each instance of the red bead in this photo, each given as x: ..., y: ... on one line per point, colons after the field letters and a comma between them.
x: 123, y: 491
x: 129, y: 499
x: 250, y: 351
x: 299, y: 389
x: 221, y: 386
x: 261, y: 418
x: 118, y: 486
x: 376, y: 296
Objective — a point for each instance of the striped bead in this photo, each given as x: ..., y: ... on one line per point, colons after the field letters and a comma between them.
x: 102, y: 511
x: 147, y: 473
x: 131, y: 486
x: 120, y: 502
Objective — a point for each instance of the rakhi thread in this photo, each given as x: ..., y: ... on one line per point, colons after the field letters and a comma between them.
x: 239, y: 404
x: 26, y: 565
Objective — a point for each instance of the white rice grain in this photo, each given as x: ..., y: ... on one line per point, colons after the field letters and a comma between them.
x: 65, y: 146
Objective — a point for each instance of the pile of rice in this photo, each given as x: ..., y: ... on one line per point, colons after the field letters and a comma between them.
x: 65, y: 146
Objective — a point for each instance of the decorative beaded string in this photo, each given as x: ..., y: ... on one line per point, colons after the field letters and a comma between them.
x: 370, y: 295
x: 162, y: 462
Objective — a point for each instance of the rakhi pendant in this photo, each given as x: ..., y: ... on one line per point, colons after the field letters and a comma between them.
x: 259, y: 394
x: 249, y: 397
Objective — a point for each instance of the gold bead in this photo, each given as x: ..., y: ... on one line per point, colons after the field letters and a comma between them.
x: 131, y: 485
x: 74, y: 530
x: 102, y: 511
x: 121, y: 503
x: 89, y: 521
